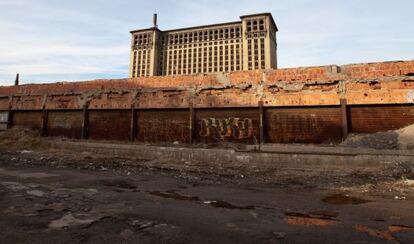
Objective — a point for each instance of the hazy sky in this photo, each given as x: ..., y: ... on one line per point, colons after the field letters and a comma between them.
x: 56, y: 40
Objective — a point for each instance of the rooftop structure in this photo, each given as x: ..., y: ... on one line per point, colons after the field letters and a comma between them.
x: 249, y: 44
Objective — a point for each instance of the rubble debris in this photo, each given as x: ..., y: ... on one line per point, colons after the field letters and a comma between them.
x: 36, y: 193
x: 70, y: 220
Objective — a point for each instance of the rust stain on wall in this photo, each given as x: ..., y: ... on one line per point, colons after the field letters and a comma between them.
x: 65, y: 123
x: 109, y: 124
x: 30, y: 119
x: 163, y: 126
x: 303, y: 125
x: 371, y: 119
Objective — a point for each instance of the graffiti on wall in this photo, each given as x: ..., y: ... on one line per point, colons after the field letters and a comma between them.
x: 226, y: 128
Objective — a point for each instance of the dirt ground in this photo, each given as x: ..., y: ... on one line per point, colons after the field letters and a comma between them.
x: 50, y: 195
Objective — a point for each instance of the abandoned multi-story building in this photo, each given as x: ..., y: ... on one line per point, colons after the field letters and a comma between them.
x: 248, y: 44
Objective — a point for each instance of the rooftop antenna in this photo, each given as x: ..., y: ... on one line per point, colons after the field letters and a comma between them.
x: 154, y: 21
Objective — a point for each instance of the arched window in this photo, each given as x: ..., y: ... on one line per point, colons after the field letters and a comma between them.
x: 261, y: 25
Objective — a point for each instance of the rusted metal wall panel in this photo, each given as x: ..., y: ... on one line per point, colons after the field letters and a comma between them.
x: 30, y: 119
x: 109, y: 124
x: 227, y: 125
x: 303, y: 125
x: 163, y: 125
x: 65, y: 123
x: 64, y: 101
x: 4, y: 103
x: 371, y: 119
x: 4, y: 117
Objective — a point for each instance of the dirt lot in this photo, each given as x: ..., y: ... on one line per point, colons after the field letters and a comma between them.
x: 49, y: 195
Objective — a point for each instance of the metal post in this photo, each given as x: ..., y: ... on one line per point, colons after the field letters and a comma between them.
x: 191, y: 141
x: 344, y: 115
x: 85, y: 122
x: 44, y: 121
x: 16, y: 81
x: 133, y: 123
x: 261, y: 123
x: 10, y: 113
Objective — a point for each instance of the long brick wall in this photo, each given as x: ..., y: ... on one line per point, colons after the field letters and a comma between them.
x: 374, y: 83
x: 284, y: 105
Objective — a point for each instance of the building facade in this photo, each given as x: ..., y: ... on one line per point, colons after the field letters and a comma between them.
x: 249, y: 44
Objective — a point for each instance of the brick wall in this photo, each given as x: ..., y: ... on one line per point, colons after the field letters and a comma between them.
x: 372, y: 83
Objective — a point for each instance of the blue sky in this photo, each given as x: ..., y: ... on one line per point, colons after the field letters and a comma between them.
x: 57, y: 40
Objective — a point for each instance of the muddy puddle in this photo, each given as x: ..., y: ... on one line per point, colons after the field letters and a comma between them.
x: 342, y: 199
x: 385, y: 234
x: 313, y: 218
x: 172, y: 194
x: 119, y: 183
x: 223, y: 204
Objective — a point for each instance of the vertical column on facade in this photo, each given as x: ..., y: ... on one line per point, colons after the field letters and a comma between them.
x: 202, y: 55
x: 244, y: 56
x: 207, y: 57
x: 345, y: 119
x: 226, y: 57
x: 189, y: 54
x: 198, y: 55
x: 213, y: 54
x: 167, y: 53
x: 173, y: 59
x: 259, y: 52
x: 187, y: 57
x: 153, y: 54
x: 220, y: 58
x: 235, y: 50
x: 141, y: 57
x: 182, y: 59
x: 171, y: 72
x: 255, y: 42
x: 268, y: 40
x: 131, y: 53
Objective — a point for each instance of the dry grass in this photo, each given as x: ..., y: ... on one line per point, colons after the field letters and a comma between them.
x: 21, y: 138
